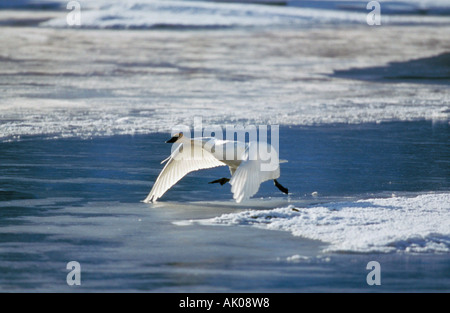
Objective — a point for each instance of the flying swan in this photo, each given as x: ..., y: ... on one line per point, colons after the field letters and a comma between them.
x: 250, y: 164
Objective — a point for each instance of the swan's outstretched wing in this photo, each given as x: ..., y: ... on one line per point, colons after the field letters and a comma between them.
x: 181, y: 162
x: 257, y: 167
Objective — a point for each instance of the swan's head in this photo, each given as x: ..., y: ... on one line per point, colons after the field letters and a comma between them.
x: 175, y: 138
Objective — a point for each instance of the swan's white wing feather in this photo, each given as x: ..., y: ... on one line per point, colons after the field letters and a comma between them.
x: 180, y: 163
x: 249, y: 175
x: 245, y: 181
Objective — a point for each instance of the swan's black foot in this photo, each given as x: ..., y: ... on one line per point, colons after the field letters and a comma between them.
x: 283, y: 189
x: 221, y: 181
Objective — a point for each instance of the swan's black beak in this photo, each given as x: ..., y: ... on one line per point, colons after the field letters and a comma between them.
x: 172, y: 140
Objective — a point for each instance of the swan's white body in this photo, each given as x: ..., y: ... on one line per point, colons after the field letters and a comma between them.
x: 250, y: 164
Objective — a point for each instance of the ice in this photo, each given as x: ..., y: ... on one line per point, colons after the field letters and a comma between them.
x: 144, y: 14
x: 106, y: 82
x: 292, y: 66
x: 140, y: 67
x: 419, y: 224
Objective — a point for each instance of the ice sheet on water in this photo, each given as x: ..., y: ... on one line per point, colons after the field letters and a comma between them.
x: 101, y: 83
x: 398, y: 224
x: 148, y: 14
x: 143, y: 14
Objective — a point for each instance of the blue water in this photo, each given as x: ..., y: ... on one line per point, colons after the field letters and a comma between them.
x: 335, y: 160
x: 79, y: 200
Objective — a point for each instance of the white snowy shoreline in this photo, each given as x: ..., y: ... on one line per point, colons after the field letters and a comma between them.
x: 419, y: 224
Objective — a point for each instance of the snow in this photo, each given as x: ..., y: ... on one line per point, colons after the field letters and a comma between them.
x: 418, y: 224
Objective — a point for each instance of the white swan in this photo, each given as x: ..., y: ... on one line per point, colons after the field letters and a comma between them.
x: 250, y: 164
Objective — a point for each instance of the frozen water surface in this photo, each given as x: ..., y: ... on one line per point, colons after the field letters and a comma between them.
x: 364, y: 122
